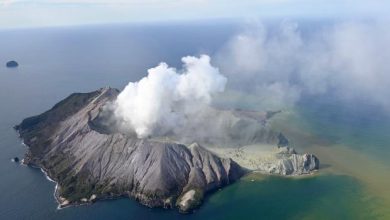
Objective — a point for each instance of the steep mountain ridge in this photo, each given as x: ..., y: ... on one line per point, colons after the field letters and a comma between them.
x: 89, y: 160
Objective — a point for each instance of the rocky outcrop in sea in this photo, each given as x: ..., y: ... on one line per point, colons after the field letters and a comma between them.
x: 12, y: 64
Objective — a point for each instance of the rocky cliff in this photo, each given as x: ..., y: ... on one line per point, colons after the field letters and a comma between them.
x: 90, y: 164
x: 90, y: 159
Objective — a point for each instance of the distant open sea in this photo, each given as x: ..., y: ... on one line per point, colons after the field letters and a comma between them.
x: 351, y: 141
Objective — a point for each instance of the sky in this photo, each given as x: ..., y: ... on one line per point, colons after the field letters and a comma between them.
x: 40, y: 13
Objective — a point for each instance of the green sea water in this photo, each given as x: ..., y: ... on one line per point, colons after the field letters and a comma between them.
x: 319, y: 197
x: 351, y: 143
x: 325, y: 195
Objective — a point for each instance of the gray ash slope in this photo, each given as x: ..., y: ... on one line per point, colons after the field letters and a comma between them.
x: 89, y: 161
x: 89, y: 164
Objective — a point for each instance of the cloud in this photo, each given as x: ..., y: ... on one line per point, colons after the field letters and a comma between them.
x: 99, y: 2
x: 168, y: 99
x: 256, y: 62
x: 178, y: 105
x: 38, y: 13
x: 349, y: 59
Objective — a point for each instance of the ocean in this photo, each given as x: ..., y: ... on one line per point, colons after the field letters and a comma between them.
x: 351, y: 141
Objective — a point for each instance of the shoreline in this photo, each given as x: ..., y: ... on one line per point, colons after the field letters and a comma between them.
x: 263, y: 158
x: 57, y: 198
x: 64, y: 203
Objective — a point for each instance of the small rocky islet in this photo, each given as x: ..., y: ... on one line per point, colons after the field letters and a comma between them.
x: 12, y: 64
x: 90, y: 161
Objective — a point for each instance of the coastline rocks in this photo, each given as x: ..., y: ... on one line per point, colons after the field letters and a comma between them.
x: 90, y: 159
x: 12, y: 64
x: 63, y: 202
x: 89, y: 162
x: 15, y: 159
x: 268, y: 159
x: 190, y: 200
x: 291, y: 163
x: 92, y: 198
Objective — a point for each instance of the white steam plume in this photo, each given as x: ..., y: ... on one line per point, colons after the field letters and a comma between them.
x: 167, y: 98
x: 350, y: 59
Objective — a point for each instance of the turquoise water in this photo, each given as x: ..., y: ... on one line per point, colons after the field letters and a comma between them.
x: 359, y: 125
x: 321, y: 197
x: 83, y: 59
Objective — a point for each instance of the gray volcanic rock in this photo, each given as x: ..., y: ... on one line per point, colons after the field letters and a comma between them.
x: 89, y: 161
x: 291, y: 163
x: 78, y: 145
x: 268, y: 159
x: 15, y: 159
x: 12, y: 64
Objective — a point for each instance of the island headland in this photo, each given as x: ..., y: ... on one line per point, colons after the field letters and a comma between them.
x: 90, y: 159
